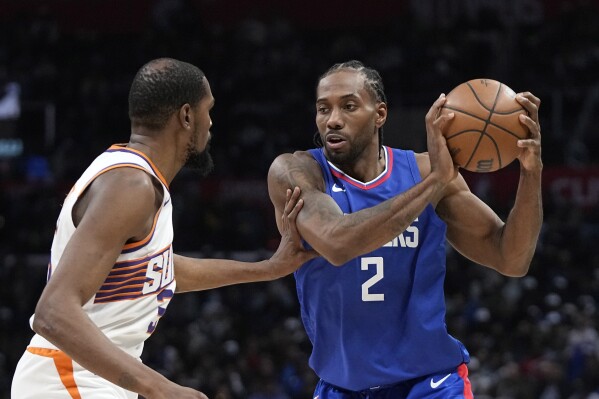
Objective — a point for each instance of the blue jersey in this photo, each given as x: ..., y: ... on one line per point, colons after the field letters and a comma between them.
x: 379, y: 319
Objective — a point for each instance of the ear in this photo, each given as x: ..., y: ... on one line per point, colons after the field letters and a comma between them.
x: 185, y: 116
x: 381, y: 114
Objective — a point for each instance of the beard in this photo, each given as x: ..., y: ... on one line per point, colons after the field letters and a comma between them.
x: 199, y: 161
x: 357, y: 146
x: 349, y: 158
x: 343, y: 159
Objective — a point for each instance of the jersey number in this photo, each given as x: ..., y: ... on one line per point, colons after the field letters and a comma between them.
x: 365, y: 263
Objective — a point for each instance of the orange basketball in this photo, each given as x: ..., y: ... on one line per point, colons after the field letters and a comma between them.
x: 483, y: 135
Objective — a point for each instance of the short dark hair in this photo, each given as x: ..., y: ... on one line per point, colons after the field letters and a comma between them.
x: 160, y: 88
x: 372, y: 80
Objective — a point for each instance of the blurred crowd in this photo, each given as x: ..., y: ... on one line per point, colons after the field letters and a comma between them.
x: 533, y: 337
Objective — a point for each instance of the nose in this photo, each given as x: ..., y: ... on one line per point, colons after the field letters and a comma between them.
x: 335, y: 121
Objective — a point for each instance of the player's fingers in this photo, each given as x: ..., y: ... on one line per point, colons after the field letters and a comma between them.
x: 286, y: 210
x: 531, y: 144
x: 440, y: 101
x: 533, y: 126
x: 290, y: 204
x: 291, y: 200
x: 293, y: 214
x: 443, y: 119
x: 530, y: 103
x: 292, y: 231
x: 296, y: 193
x: 532, y: 98
x: 434, y: 109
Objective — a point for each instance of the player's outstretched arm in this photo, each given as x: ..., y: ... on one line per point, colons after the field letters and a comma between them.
x: 107, y: 223
x: 338, y: 237
x: 478, y: 233
x: 201, y: 274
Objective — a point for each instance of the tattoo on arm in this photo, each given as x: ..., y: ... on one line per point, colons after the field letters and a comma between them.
x: 302, y: 172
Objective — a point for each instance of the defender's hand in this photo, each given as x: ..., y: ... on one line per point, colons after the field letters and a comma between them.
x: 291, y: 253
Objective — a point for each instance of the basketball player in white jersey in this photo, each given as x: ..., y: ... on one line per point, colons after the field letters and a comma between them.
x: 113, y: 271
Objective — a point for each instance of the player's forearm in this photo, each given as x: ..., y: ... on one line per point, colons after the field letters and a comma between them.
x: 202, y: 274
x: 523, y: 225
x: 69, y: 328
x: 364, y: 231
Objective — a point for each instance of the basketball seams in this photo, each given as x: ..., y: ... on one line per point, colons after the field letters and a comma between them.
x: 493, y: 110
x: 454, y: 135
x: 461, y: 111
x: 508, y: 112
x: 475, y: 120
x: 497, y: 152
x: 483, y: 132
x: 504, y: 130
x: 494, y: 124
x: 478, y: 98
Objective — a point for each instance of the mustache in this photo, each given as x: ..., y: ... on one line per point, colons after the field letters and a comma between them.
x: 319, y: 139
x: 334, y: 134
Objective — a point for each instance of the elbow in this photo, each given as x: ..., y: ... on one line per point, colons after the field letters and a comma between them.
x: 520, y: 272
x: 337, y: 245
x: 336, y: 261
x: 44, y: 320
x: 514, y: 269
x: 337, y: 255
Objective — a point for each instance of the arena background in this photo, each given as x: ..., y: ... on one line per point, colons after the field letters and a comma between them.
x: 65, y: 70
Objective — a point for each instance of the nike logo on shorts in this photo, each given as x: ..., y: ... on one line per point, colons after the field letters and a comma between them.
x: 435, y: 384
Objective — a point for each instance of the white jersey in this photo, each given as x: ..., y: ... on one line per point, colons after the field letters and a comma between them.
x: 127, y: 306
x: 136, y: 292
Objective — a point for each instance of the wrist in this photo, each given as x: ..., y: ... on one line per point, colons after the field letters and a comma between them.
x: 150, y: 383
x: 269, y: 270
x: 436, y: 187
x: 532, y: 172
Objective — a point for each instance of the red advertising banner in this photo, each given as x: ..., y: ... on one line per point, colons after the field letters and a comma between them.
x: 561, y: 185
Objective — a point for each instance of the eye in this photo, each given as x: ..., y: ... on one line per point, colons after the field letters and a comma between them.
x: 351, y: 106
x: 322, y: 109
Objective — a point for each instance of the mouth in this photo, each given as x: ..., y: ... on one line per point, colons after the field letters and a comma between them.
x: 335, y: 141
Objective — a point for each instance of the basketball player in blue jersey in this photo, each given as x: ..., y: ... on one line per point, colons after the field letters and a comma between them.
x: 113, y: 271
x: 373, y: 303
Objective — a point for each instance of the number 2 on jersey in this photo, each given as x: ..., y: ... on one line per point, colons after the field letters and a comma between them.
x: 377, y: 261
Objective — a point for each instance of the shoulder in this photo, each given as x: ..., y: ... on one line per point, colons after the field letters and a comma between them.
x: 134, y: 179
x: 299, y: 160
x: 125, y: 185
x: 297, y: 157
x: 296, y: 169
x: 125, y: 200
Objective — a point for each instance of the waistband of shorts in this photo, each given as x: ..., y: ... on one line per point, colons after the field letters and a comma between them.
x: 407, y: 383
x: 40, y: 342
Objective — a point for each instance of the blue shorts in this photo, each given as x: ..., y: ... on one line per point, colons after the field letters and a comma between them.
x: 451, y: 384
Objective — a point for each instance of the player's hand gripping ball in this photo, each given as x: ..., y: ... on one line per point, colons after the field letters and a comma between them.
x: 483, y: 135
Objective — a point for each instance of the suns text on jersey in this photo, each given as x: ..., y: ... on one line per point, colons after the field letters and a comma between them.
x: 159, y: 272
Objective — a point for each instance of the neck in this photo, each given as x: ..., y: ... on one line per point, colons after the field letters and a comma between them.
x: 367, y: 167
x: 155, y: 146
